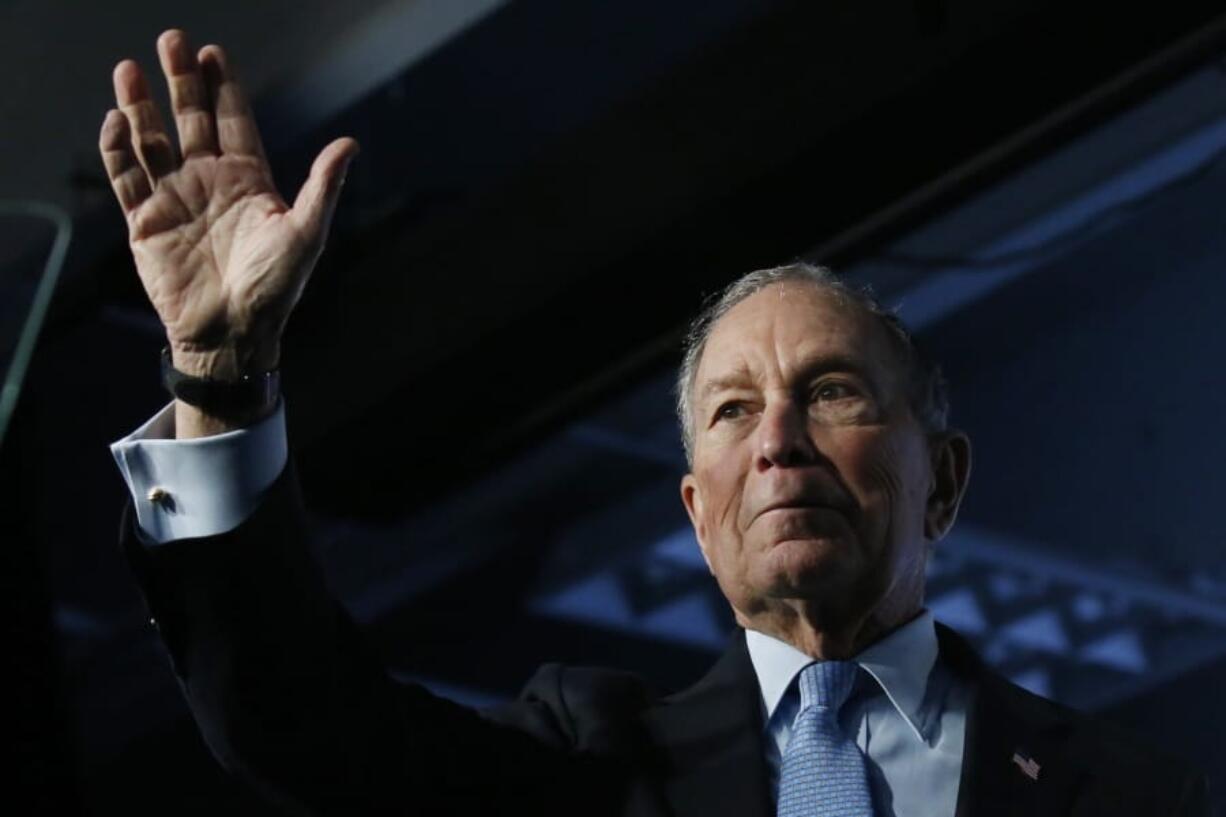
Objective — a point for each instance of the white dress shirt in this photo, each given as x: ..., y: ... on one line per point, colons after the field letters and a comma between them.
x: 908, y: 712
x: 202, y: 486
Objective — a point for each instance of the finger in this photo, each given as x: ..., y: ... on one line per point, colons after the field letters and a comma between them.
x: 128, y: 178
x: 149, y: 139
x: 189, y: 99
x: 316, y: 201
x: 236, y: 128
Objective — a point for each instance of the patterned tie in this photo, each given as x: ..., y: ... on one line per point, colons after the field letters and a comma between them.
x: 823, y: 771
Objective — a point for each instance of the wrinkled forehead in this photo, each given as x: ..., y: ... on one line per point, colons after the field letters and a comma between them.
x: 789, y: 325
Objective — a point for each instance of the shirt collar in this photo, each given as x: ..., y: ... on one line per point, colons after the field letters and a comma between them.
x: 900, y: 662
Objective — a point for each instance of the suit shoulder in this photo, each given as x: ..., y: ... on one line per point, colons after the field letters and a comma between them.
x: 1131, y: 766
x: 1097, y: 743
x: 596, y: 707
x: 1133, y: 763
x: 1119, y: 749
x: 1105, y: 744
x: 1119, y: 771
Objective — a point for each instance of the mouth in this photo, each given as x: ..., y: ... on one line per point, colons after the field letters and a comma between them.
x: 799, y: 505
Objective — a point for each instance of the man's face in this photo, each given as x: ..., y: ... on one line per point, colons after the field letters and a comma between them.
x: 811, y: 477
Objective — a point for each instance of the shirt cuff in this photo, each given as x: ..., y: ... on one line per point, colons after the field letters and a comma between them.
x: 203, y: 486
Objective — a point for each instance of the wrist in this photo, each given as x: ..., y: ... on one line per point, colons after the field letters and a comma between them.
x: 192, y: 422
x: 227, y: 363
x: 230, y: 395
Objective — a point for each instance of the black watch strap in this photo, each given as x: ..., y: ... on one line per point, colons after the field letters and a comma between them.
x: 221, y: 398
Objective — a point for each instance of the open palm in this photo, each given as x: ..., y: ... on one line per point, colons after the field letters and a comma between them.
x: 221, y: 255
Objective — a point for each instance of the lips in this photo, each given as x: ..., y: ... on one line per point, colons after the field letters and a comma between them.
x: 812, y: 489
x: 797, y: 505
x: 793, y: 505
x: 807, y: 503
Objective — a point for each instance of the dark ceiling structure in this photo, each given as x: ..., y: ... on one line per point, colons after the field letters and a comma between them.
x: 477, y: 377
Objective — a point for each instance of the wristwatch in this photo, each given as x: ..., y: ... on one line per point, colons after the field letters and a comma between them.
x: 221, y: 398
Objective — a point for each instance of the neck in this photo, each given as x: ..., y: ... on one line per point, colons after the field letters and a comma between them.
x: 824, y: 633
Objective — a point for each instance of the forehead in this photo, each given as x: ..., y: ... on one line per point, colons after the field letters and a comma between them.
x: 787, y: 325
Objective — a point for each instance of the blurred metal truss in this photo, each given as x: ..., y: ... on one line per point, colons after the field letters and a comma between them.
x: 1089, y: 637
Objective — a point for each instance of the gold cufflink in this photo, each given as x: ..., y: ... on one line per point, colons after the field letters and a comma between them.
x: 157, y: 495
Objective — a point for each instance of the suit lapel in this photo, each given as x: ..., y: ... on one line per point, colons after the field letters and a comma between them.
x: 710, y: 741
x: 1014, y: 760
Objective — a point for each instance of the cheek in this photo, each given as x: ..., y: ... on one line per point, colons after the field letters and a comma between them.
x: 724, y: 489
x: 893, y: 482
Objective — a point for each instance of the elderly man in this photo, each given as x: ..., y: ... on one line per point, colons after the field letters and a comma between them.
x: 821, y: 473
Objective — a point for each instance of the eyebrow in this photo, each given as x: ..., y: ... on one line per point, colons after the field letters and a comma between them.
x: 810, y: 369
x: 737, y: 380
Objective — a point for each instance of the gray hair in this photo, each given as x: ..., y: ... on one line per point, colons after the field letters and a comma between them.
x: 929, y: 393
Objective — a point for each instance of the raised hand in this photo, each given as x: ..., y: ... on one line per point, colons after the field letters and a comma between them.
x: 221, y: 255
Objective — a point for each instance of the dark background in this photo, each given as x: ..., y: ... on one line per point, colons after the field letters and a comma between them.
x: 478, y: 377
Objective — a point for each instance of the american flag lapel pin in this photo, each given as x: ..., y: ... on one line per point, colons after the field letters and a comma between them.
x: 1028, y: 765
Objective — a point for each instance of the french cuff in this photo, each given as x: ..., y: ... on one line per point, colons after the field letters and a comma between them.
x: 203, y: 486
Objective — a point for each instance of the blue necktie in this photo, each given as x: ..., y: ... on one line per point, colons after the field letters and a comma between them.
x: 823, y: 770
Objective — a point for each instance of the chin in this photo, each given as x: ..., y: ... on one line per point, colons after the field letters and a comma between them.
x: 808, y: 568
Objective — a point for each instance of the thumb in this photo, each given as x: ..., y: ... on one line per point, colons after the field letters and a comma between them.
x: 316, y: 201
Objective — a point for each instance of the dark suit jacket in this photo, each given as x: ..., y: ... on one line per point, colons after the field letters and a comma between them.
x: 288, y: 697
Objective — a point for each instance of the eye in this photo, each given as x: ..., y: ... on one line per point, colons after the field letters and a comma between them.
x: 730, y: 411
x: 834, y: 390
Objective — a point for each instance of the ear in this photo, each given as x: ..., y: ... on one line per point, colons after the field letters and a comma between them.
x: 691, y: 498
x: 951, y: 469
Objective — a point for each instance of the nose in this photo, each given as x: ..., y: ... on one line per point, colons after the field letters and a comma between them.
x: 783, y: 437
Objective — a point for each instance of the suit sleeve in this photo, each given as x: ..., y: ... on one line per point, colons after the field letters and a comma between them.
x: 1194, y: 800
x: 288, y: 696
